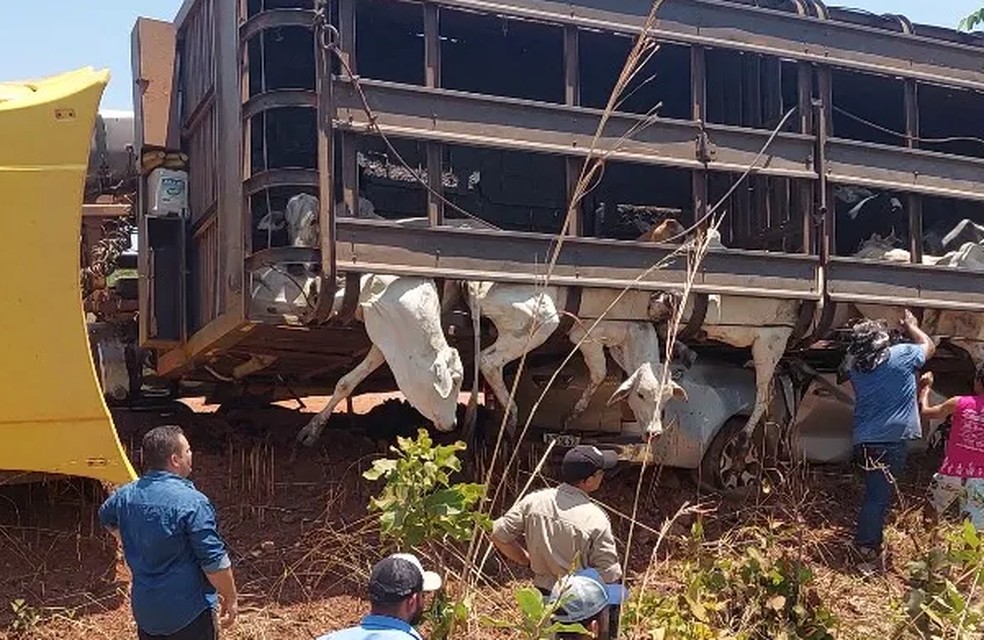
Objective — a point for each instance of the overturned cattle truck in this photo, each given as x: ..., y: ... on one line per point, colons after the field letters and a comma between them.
x: 493, y: 105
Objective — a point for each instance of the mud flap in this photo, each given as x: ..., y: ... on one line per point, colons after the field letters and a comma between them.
x: 53, y: 418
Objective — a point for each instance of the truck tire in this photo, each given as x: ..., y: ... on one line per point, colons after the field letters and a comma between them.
x: 731, y: 465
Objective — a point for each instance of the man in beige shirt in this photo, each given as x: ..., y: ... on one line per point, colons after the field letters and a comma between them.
x: 561, y: 525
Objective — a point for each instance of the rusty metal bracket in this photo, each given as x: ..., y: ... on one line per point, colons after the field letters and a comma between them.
x: 572, y: 309
x: 807, y: 311
x: 706, y: 151
x: 697, y: 317
x: 350, y: 299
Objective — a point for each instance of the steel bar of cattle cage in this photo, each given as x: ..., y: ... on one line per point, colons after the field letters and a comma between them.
x: 449, y: 116
x: 379, y: 247
x: 730, y: 25
x: 439, y: 117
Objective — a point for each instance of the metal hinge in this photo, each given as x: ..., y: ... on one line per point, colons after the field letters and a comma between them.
x: 705, y: 149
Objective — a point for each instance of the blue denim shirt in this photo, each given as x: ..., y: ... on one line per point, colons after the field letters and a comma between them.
x: 374, y: 627
x: 169, y: 541
x: 885, y: 408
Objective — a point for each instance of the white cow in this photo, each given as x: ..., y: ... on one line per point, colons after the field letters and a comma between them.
x: 525, y: 316
x: 965, y: 329
x: 402, y: 317
x: 762, y: 324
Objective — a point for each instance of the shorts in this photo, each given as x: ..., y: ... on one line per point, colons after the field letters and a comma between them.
x: 968, y: 492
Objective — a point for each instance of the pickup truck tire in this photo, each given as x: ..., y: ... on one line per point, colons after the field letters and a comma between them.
x: 732, y: 464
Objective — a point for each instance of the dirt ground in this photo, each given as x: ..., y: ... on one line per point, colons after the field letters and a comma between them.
x: 296, y: 531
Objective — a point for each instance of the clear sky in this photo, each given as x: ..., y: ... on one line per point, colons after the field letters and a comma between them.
x: 43, y: 37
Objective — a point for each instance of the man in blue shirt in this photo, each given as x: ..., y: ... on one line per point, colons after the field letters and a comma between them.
x: 886, y: 416
x: 181, y: 571
x: 397, y: 586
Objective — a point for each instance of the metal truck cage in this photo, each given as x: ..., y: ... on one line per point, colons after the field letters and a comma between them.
x: 506, y: 95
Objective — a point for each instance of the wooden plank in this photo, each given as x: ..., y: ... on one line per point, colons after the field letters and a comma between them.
x: 106, y: 210
x: 232, y: 211
x: 156, y: 118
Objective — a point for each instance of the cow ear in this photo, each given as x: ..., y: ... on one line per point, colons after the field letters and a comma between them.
x: 273, y: 221
x: 446, y: 377
x: 677, y: 391
x: 624, y: 389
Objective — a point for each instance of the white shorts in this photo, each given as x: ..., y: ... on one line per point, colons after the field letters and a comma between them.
x: 969, y: 492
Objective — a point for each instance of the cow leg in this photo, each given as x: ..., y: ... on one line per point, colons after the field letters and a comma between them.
x: 471, y: 413
x: 509, y: 347
x: 767, y: 349
x: 594, y: 358
x: 343, y: 389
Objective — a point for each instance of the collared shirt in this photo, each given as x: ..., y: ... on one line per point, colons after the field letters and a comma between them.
x: 561, y: 524
x: 376, y: 627
x: 885, y: 408
x: 170, y: 541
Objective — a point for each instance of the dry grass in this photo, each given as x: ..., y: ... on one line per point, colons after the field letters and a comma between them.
x: 302, y: 552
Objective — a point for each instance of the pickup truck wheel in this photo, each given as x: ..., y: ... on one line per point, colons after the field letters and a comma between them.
x: 732, y: 463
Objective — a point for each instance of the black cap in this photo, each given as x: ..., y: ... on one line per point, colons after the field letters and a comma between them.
x: 399, y: 576
x: 584, y: 461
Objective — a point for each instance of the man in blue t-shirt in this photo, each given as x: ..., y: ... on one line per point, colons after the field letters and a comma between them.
x: 181, y: 571
x: 886, y: 416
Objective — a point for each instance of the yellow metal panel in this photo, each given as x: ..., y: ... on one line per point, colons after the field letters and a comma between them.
x: 53, y: 417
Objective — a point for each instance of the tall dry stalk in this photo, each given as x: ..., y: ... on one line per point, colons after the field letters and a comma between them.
x: 644, y: 47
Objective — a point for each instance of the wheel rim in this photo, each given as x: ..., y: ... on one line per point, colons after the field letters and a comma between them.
x: 739, y: 465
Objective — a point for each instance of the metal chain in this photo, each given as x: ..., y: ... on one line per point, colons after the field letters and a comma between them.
x: 106, y: 252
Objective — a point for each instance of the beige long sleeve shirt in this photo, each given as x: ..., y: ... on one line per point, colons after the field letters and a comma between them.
x: 559, y: 525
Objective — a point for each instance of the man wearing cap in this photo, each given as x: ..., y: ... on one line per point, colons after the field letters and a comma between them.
x: 585, y: 600
x: 561, y: 525
x: 396, y: 593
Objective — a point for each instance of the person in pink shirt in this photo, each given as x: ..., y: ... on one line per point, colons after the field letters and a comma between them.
x: 961, y: 475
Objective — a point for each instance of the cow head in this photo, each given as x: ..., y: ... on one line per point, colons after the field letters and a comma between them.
x: 442, y: 386
x: 646, y: 397
x: 301, y: 216
x: 662, y: 306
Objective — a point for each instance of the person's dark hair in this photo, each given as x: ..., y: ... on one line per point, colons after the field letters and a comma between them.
x: 159, y: 444
x: 391, y: 609
x: 979, y: 374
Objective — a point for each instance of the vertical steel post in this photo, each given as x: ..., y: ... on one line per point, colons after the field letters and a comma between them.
x: 324, y: 35
x: 572, y: 97
x: 432, y: 78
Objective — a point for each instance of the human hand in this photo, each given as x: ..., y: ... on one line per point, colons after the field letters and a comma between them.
x: 229, y: 612
x: 926, y: 380
x: 909, y: 321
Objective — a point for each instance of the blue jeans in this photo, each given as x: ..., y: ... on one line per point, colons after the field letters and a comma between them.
x: 883, y: 464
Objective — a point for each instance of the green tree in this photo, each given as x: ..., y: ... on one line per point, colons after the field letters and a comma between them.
x: 972, y: 21
x: 418, y: 502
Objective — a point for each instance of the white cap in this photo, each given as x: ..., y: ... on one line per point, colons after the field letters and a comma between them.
x: 432, y: 581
